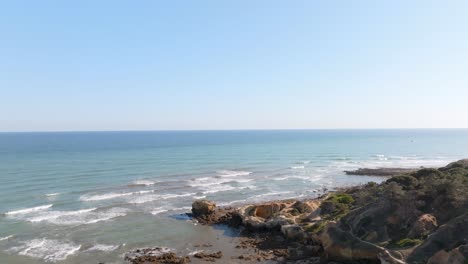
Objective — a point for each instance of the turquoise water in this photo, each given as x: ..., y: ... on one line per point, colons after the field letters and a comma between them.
x: 79, y: 196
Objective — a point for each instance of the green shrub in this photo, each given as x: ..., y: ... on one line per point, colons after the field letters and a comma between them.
x: 295, y: 212
x: 336, y: 206
x: 341, y: 198
x: 408, y: 242
x: 408, y: 182
x: 316, y: 227
x: 422, y: 173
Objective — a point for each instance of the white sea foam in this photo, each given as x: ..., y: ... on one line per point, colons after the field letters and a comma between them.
x: 297, y: 167
x: 46, y: 249
x: 220, y: 184
x: 206, y: 182
x: 52, y: 194
x: 6, y: 238
x: 261, y: 196
x: 293, y: 177
x: 219, y: 188
x: 79, y: 217
x: 195, y: 252
x: 232, y: 202
x: 233, y: 173
x: 170, y: 196
x: 381, y: 157
x: 242, y: 180
x: 103, y: 247
x: 52, y: 216
x: 29, y: 210
x: 159, y: 211
x: 393, y: 161
x: 157, y: 197
x: 143, y: 183
x: 108, y: 196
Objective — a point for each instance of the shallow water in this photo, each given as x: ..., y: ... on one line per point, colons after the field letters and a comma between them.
x: 81, y: 197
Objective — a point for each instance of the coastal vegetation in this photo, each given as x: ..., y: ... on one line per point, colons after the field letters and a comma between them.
x: 420, y: 216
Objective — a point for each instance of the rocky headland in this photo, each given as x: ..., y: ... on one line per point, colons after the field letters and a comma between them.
x: 417, y: 216
x: 380, y: 171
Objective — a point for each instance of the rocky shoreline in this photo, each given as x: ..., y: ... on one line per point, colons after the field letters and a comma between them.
x: 416, y: 216
x: 380, y: 171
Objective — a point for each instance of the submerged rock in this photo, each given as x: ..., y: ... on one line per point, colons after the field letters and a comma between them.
x: 157, y: 255
x: 209, y: 256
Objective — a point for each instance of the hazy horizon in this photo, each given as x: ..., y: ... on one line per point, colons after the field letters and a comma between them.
x: 238, y: 130
x: 263, y: 65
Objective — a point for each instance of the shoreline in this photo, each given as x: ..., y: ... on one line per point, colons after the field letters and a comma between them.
x: 346, y: 225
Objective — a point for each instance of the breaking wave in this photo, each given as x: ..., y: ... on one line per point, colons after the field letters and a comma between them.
x: 108, y: 196
x: 5, y: 238
x: 46, y: 249
x: 103, y: 247
x: 233, y: 173
x: 29, y: 210
x: 79, y: 217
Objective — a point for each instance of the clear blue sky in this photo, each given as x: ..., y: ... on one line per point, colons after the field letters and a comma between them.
x: 150, y: 65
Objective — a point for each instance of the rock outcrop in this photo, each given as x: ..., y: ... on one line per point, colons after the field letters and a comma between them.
x: 458, y: 255
x: 340, y: 245
x: 158, y: 255
x: 417, y: 216
x: 209, y: 256
x: 443, y: 241
x: 274, y: 215
x: 203, y: 207
x: 425, y: 225
x: 380, y: 171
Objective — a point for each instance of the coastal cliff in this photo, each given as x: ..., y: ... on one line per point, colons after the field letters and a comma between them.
x: 416, y: 217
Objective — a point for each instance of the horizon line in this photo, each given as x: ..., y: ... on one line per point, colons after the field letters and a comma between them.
x: 226, y: 130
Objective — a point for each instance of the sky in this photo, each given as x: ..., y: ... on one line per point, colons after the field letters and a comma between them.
x: 194, y: 65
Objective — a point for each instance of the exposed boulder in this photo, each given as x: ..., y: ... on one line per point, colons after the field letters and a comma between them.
x: 293, y: 232
x: 446, y: 237
x: 309, y: 252
x: 267, y: 211
x: 264, y: 216
x: 273, y: 215
x: 306, y: 206
x: 425, y: 225
x: 340, y: 245
x: 203, y: 207
x: 458, y: 255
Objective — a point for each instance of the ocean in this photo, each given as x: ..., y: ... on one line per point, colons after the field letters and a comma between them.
x: 84, y: 197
